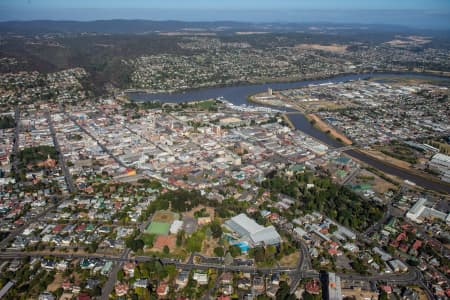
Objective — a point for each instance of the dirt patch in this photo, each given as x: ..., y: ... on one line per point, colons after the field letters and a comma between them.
x: 164, y: 217
x: 389, y: 159
x: 208, y: 247
x: 250, y: 32
x: 422, y: 294
x: 323, y: 104
x: 208, y: 209
x: 290, y: 260
x: 328, y: 129
x: 56, y: 282
x: 335, y: 48
x: 379, y: 185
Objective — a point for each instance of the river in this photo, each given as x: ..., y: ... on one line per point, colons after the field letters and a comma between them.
x: 239, y: 94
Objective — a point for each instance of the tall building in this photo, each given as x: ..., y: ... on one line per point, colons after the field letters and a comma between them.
x: 332, y: 288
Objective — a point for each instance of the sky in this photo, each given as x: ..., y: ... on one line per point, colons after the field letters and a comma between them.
x: 415, y: 13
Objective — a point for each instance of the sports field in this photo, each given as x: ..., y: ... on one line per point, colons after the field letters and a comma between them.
x: 158, y: 228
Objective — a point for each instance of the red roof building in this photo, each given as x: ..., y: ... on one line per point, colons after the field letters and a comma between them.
x: 417, y: 244
x: 386, y: 288
x: 84, y: 297
x: 163, y: 289
x: 313, y: 287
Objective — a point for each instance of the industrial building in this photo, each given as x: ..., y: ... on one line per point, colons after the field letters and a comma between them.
x: 419, y: 211
x: 251, y: 232
x: 441, y: 164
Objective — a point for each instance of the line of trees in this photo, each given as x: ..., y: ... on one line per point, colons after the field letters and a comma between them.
x: 335, y: 201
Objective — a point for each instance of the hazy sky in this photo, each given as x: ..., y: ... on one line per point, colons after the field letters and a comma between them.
x: 419, y: 13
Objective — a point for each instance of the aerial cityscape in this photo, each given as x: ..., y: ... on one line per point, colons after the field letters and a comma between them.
x: 236, y: 150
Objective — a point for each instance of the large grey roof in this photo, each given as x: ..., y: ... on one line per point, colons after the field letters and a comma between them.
x: 251, y: 231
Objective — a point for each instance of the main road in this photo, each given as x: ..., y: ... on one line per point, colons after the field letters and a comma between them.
x: 61, y: 159
x: 15, y: 150
x: 410, y: 277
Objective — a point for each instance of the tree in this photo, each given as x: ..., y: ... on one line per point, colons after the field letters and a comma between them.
x: 137, y: 272
x: 271, y: 250
x: 194, y: 242
x: 284, y: 292
x: 120, y: 275
x: 166, y: 249
x: 234, y: 250
x: 216, y: 230
x: 148, y: 239
x: 332, y: 228
x: 135, y: 245
x: 259, y: 254
x: 180, y: 238
x: 218, y: 251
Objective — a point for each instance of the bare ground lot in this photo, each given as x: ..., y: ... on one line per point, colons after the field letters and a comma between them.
x: 56, y: 282
x: 381, y: 156
x: 379, y: 185
x: 164, y: 216
x: 290, y: 260
x: 327, y: 128
x: 335, y: 48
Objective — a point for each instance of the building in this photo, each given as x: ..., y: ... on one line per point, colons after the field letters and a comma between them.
x: 141, y: 283
x: 201, y: 278
x: 441, y: 164
x: 313, y: 287
x: 397, y: 265
x: 6, y: 288
x: 176, y: 226
x: 163, y: 289
x: 46, y: 296
x: 333, y: 287
x: 182, y: 279
x: 121, y: 289
x: 419, y: 211
x: 253, y: 233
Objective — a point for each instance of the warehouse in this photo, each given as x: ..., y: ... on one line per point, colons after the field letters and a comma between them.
x: 253, y: 233
x: 441, y: 163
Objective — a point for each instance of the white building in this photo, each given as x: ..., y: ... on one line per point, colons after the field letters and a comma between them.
x: 252, y: 232
x: 176, y: 226
x: 441, y: 164
x: 419, y: 211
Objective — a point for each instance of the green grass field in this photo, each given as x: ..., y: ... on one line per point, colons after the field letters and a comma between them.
x: 158, y: 228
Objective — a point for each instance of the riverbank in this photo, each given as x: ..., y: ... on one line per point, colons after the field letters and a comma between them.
x: 239, y: 95
x: 321, y: 125
x: 402, y: 165
x: 288, y: 121
x: 421, y: 180
x: 289, y: 80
